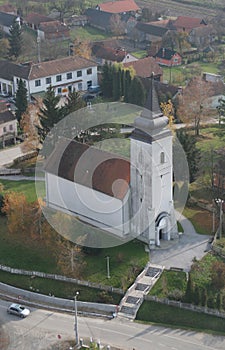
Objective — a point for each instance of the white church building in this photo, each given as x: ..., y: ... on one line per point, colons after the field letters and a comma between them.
x: 123, y: 197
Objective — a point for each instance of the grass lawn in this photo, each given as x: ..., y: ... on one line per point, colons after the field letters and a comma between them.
x: 88, y: 33
x: 173, y: 316
x: 58, y: 288
x: 200, y: 218
x: 24, y: 186
x: 139, y: 54
x: 209, y: 140
x: 169, y: 282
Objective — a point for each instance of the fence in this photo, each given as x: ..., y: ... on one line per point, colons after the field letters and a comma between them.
x: 61, y: 278
x: 6, y: 171
x: 186, y: 306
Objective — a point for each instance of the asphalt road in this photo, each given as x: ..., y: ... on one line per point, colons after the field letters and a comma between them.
x: 42, y: 328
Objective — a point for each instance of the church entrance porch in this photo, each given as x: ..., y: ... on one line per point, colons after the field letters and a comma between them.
x: 162, y: 229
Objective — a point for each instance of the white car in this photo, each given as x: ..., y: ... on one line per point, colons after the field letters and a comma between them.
x: 18, y: 310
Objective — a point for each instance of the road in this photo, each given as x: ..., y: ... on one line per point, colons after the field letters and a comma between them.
x: 42, y: 327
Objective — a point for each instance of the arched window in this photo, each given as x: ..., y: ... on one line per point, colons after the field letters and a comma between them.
x: 162, y: 157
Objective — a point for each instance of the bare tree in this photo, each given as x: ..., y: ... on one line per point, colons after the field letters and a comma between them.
x: 117, y: 26
x: 192, y: 103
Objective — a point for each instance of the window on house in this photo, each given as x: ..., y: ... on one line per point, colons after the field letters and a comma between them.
x: 79, y: 73
x: 48, y: 80
x: 89, y: 71
x: 4, y: 129
x: 89, y: 83
x: 38, y: 82
x: 70, y: 88
x: 59, y: 90
x: 162, y: 157
x: 69, y: 75
x: 79, y: 86
x: 10, y: 127
x: 58, y: 77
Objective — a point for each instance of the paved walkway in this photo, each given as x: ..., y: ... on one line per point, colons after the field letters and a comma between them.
x: 7, y: 156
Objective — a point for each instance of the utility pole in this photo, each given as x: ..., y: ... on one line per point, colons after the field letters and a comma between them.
x: 75, y: 320
x: 107, y: 266
x: 38, y: 48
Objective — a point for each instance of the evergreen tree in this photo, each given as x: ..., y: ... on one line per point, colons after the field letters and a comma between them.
x: 107, y: 79
x: 126, y: 84
x: 50, y: 114
x: 116, y: 83
x: 15, y: 40
x: 189, y: 290
x: 136, y: 93
x: 73, y: 103
x: 188, y: 143
x: 21, y: 99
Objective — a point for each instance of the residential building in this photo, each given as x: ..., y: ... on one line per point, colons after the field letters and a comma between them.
x: 150, y: 33
x: 33, y: 20
x: 8, y: 124
x: 64, y: 75
x: 53, y: 31
x: 186, y: 24
x: 104, y: 53
x: 7, y: 20
x: 146, y: 68
x: 168, y: 57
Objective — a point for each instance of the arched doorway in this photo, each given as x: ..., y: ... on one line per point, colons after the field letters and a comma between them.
x: 162, y: 228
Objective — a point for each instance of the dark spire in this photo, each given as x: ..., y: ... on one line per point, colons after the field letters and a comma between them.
x: 152, y: 103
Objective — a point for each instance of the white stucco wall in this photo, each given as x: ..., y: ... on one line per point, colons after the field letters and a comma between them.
x: 11, y: 124
x: 82, y: 200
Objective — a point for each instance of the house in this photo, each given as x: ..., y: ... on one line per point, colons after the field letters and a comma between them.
x: 118, y: 195
x: 99, y: 19
x: 102, y: 53
x: 168, y: 57
x: 119, y: 7
x: 33, y: 20
x: 202, y: 36
x: 53, y: 30
x: 77, y: 20
x: 186, y: 24
x: 7, y: 20
x: 8, y: 8
x: 145, y: 68
x: 64, y: 75
x: 150, y: 33
x: 8, y: 124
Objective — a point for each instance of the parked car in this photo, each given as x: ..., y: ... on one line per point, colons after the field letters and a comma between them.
x: 88, y: 97
x: 18, y: 310
x: 93, y: 89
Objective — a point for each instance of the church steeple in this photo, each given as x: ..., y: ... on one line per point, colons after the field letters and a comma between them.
x: 151, y: 119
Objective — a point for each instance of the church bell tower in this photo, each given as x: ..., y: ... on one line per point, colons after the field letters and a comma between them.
x: 153, y: 217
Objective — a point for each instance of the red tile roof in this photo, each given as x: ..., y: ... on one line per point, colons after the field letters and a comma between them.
x: 53, y: 27
x: 119, y: 6
x: 36, y: 18
x: 90, y: 167
x: 144, y: 67
x: 188, y: 23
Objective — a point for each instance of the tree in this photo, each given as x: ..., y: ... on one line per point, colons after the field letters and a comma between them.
x: 107, y: 79
x: 4, y: 47
x: 168, y: 110
x: 136, y: 93
x: 15, y: 40
x: 50, y: 113
x: 82, y: 48
x: 64, y: 7
x: 188, y: 143
x: 192, y: 103
x: 21, y: 99
x: 73, y: 103
x: 117, y: 26
x: 221, y: 113
x: 116, y: 83
x: 27, y: 124
x: 22, y: 217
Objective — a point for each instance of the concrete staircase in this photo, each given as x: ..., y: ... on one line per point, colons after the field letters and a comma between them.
x: 134, y: 296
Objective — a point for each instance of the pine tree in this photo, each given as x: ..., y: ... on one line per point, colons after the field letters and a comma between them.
x: 116, y: 83
x: 15, y: 40
x: 73, y: 103
x: 126, y: 84
x: 188, y: 143
x: 50, y: 114
x: 107, y: 78
x: 21, y: 99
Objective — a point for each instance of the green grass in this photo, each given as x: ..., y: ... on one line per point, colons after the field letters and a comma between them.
x: 173, y: 316
x: 169, y: 282
x: 25, y: 186
x: 200, y: 219
x: 88, y: 33
x: 139, y: 54
x: 58, y: 288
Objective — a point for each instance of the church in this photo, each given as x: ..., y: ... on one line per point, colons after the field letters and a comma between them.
x: 124, y: 197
